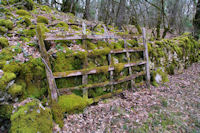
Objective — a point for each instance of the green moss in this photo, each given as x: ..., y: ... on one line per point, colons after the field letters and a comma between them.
x: 72, y: 103
x: 58, y: 114
x: 22, y: 13
x: 53, y: 18
x: 31, y: 118
x: 3, y: 30
x: 43, y: 29
x: 5, y: 111
x: 42, y: 19
x: 76, y: 28
x: 132, y: 43
x: 34, y: 75
x: 63, y: 25
x: 27, y: 21
x: 29, y: 4
x: 13, y: 67
x: 7, y: 77
x: 96, y: 92
x: 3, y: 42
x: 15, y: 90
x: 2, y: 63
x: 46, y: 9
x: 28, y: 32
x: 163, y: 75
x: 170, y: 69
x: 119, y: 67
x: 99, y: 29
x: 6, y: 23
x: 103, y: 69
x: 117, y: 45
x: 90, y: 45
x: 69, y: 61
x: 71, y: 21
x: 100, y: 52
x: 9, y: 52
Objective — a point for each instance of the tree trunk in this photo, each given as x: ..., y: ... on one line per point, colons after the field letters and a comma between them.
x: 196, y: 21
x: 120, y: 18
x: 159, y: 21
x: 87, y: 10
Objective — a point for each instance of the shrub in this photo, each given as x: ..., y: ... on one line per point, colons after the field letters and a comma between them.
x: 42, y: 19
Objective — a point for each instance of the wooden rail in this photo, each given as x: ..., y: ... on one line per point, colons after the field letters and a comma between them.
x: 103, y: 84
x: 92, y: 71
x: 87, y: 71
x: 89, y: 37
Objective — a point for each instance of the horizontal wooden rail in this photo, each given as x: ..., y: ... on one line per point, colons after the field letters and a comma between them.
x: 95, y: 37
x: 103, y: 84
x: 136, y: 49
x: 92, y: 71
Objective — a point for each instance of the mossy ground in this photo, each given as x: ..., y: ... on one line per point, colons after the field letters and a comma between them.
x: 72, y: 103
x: 32, y: 118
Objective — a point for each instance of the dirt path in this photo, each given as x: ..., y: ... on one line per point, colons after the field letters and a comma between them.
x: 172, y: 107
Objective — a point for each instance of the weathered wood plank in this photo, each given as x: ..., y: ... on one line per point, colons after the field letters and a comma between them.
x: 45, y: 59
x: 103, y: 84
x: 136, y: 49
x: 95, y: 37
x: 92, y: 71
x: 129, y: 68
x: 146, y: 56
x: 111, y: 72
x: 85, y: 76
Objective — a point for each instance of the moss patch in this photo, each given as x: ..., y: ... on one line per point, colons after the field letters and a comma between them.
x: 22, y: 13
x: 3, y: 42
x: 6, y: 111
x: 72, y: 103
x: 42, y: 19
x: 6, y: 23
x: 7, y: 77
x: 15, y: 90
x: 63, y: 25
x: 32, y: 118
x: 58, y: 114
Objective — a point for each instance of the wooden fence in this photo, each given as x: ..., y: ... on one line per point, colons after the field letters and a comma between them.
x: 85, y: 71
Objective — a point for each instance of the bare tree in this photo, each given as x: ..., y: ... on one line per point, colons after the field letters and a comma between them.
x: 87, y: 10
x: 196, y: 21
x: 120, y: 18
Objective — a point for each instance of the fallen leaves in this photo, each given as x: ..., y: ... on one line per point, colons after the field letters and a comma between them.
x: 168, y: 108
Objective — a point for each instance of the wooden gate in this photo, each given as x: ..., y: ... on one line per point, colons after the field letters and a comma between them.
x: 85, y: 72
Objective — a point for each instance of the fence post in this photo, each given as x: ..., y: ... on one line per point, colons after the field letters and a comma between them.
x: 146, y: 56
x: 109, y: 60
x: 129, y: 68
x: 85, y: 76
x: 45, y: 59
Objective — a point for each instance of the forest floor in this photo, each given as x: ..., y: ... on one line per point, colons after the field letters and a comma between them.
x: 172, y: 107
